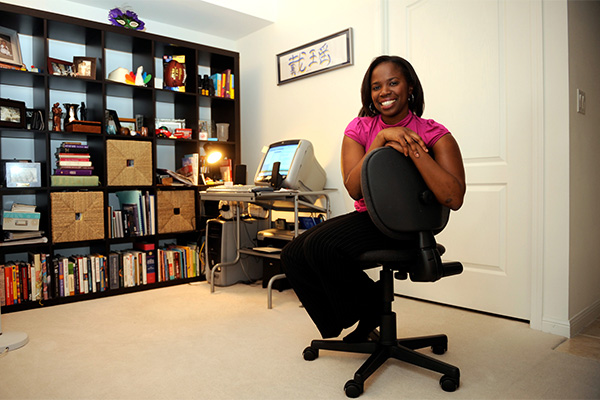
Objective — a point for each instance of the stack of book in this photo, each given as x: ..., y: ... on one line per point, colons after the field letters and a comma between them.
x: 21, y: 226
x: 74, y: 166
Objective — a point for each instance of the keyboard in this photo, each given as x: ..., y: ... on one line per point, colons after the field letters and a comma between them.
x: 234, y: 188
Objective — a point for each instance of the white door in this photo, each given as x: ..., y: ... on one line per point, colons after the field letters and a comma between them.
x: 477, y: 61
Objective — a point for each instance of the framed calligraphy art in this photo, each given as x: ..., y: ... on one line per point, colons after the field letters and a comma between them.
x: 322, y: 55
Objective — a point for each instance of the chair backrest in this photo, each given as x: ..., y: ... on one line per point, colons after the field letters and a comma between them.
x: 397, y: 198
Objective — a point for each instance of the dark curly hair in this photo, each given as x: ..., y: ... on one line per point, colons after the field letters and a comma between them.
x: 416, y: 106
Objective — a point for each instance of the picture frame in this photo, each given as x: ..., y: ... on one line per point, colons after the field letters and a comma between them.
x: 129, y: 123
x: 60, y: 67
x: 84, y: 67
x: 111, y: 122
x: 12, y: 113
x: 22, y: 174
x: 204, y: 131
x: 10, y: 48
x: 322, y: 55
x: 170, y: 124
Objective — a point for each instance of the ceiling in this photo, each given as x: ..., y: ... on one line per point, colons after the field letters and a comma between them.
x: 196, y: 15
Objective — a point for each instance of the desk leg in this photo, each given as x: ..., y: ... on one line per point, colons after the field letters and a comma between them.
x: 270, y: 289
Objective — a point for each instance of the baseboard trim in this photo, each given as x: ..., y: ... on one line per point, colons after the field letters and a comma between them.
x: 556, y: 327
x: 574, y: 325
x: 584, y: 318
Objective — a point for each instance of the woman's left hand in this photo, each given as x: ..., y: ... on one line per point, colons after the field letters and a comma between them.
x: 404, y: 140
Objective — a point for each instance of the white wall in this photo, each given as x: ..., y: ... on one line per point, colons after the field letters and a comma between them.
x: 584, y: 166
x: 552, y: 313
x: 317, y: 108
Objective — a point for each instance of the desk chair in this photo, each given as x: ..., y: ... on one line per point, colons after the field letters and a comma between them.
x: 402, y: 207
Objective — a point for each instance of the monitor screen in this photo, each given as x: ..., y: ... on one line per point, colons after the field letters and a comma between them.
x: 284, y: 154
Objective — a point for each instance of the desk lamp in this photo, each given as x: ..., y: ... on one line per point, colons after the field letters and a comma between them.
x: 212, y: 156
x: 11, y: 340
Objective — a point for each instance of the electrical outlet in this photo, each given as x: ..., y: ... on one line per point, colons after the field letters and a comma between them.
x: 580, y: 101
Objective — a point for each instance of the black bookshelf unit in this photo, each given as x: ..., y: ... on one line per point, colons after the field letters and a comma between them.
x: 40, y: 90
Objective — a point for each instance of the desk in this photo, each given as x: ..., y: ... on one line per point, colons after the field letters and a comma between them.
x: 279, y: 200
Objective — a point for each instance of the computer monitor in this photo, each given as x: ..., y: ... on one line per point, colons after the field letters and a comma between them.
x: 298, y: 167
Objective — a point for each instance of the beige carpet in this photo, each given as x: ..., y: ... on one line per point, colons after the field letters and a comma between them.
x: 185, y: 343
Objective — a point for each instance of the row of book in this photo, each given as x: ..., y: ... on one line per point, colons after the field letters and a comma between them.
x: 43, y: 278
x: 136, y: 216
x: 224, y: 84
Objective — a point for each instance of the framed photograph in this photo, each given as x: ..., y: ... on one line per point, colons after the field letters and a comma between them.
x: 111, y: 122
x: 170, y: 124
x: 23, y: 174
x: 129, y: 123
x: 203, y: 129
x: 10, y: 49
x: 84, y: 67
x: 12, y: 113
x: 322, y: 55
x: 60, y: 67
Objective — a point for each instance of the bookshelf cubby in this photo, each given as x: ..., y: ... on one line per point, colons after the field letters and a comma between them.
x: 50, y: 35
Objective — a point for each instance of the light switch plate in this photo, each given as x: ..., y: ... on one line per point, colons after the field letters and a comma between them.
x: 580, y: 101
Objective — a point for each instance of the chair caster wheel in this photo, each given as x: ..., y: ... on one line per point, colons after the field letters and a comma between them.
x: 439, y: 349
x: 353, y: 389
x: 448, y: 384
x: 310, y: 354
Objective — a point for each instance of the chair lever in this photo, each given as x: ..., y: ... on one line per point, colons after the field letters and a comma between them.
x: 452, y: 268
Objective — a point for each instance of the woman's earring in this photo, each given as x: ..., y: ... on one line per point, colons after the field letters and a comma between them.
x: 371, y: 108
x: 411, y: 98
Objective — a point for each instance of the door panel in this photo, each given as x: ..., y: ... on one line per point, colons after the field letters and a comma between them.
x: 474, y: 59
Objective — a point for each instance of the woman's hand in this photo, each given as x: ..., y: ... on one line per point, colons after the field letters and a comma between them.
x: 403, y: 140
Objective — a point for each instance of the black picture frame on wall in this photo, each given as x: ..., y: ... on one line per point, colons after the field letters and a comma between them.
x: 12, y: 113
x: 322, y: 55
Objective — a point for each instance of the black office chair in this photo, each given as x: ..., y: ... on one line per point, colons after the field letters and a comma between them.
x: 402, y: 207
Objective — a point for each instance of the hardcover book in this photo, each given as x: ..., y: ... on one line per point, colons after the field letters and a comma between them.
x: 69, y: 171
x: 70, y: 180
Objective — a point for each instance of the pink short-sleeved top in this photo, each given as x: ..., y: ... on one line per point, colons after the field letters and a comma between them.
x: 363, y: 130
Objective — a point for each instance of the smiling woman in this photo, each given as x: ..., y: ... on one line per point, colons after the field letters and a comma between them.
x: 322, y: 264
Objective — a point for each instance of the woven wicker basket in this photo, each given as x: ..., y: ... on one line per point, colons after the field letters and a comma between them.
x: 176, y: 210
x: 77, y: 216
x: 128, y: 163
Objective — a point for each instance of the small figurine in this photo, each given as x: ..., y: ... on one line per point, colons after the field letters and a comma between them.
x: 56, y: 115
x: 71, y: 113
x: 83, y: 112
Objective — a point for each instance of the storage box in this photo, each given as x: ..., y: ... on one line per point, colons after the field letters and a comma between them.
x: 176, y: 210
x: 128, y: 163
x: 19, y: 221
x: 77, y: 216
x: 84, y: 126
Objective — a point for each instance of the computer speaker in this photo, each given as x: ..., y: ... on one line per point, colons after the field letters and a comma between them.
x: 239, y: 174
